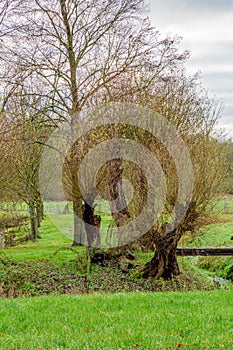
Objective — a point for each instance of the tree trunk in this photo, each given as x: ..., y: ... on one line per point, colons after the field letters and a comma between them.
x: 120, y: 213
x: 92, y: 226
x: 33, y: 220
x: 87, y: 226
x: 79, y: 238
x: 164, y: 263
x: 39, y: 209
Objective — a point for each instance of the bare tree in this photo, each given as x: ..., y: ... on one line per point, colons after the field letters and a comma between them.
x: 4, y: 7
x: 23, y: 134
x: 74, y: 50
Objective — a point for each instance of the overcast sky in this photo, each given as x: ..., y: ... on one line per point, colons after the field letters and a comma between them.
x: 207, y: 30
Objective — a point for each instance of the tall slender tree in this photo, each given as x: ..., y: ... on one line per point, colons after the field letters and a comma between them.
x: 23, y: 134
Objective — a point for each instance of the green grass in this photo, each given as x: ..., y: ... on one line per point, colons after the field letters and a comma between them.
x: 202, y: 320
x: 65, y: 222
x: 51, y: 240
x: 168, y: 320
x: 225, y: 203
x: 216, y: 234
x: 220, y: 231
x: 56, y: 231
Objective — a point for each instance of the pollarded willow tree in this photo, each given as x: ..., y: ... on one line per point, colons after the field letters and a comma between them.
x: 71, y: 51
x: 182, y: 101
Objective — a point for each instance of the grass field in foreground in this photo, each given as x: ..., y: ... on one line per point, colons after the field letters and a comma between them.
x: 194, y: 320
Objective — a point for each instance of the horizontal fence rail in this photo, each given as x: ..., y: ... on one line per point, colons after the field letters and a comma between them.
x: 205, y: 251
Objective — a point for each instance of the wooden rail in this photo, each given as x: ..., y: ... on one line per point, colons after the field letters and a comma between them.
x: 205, y: 251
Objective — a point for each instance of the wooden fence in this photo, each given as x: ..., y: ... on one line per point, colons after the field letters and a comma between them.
x: 205, y: 251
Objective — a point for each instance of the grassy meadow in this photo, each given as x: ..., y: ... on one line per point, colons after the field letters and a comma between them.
x: 194, y: 320
x: 52, y: 298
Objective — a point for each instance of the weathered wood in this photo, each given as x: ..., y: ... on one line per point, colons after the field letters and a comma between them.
x: 205, y: 251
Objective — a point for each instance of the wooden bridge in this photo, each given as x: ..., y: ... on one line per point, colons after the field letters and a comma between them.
x: 205, y: 251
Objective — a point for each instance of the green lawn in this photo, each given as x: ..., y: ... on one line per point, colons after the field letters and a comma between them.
x: 51, y: 240
x: 202, y: 320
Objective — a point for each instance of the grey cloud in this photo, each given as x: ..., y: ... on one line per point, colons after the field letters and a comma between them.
x: 208, y: 4
x: 228, y: 99
x: 221, y: 83
x: 214, y: 51
x: 191, y: 6
x: 206, y: 28
x: 183, y: 12
x: 228, y: 114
